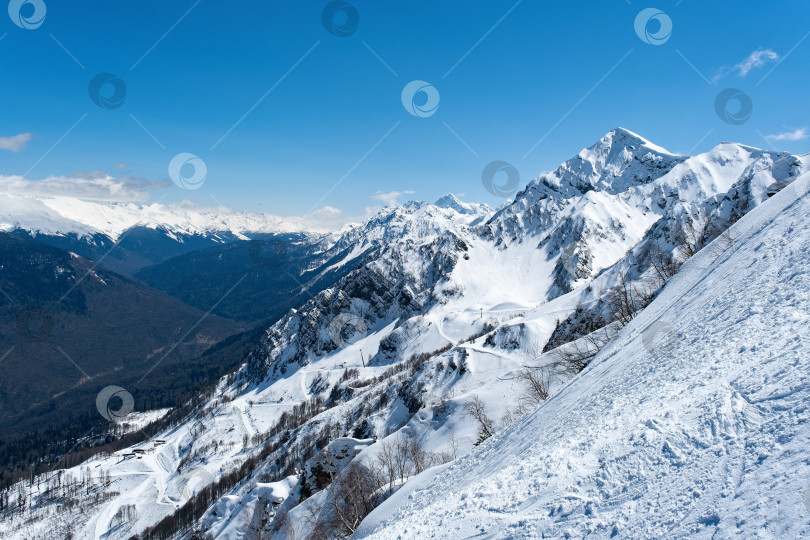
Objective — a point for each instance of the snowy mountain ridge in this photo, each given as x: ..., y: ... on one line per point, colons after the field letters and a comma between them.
x: 446, y: 304
x: 619, y: 160
x: 64, y: 215
x: 711, y: 415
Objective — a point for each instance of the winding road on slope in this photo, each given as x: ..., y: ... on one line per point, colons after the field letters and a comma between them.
x: 245, y: 418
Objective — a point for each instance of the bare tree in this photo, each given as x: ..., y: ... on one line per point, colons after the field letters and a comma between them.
x: 722, y: 243
x: 665, y: 266
x: 453, y: 444
x: 356, y: 490
x: 445, y: 456
x: 386, y: 462
x: 477, y: 410
x: 396, y: 459
x: 315, y: 518
x: 692, y: 236
x: 420, y: 459
x: 627, y: 299
x: 538, y: 379
x: 402, y: 458
x: 575, y: 356
x: 354, y: 494
x: 287, y: 530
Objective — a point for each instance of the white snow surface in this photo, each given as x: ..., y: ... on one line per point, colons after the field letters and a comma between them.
x: 692, y: 423
x: 594, y: 455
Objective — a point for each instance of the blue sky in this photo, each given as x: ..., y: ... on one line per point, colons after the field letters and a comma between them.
x: 332, y: 130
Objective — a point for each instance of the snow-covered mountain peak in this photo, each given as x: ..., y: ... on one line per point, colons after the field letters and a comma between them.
x: 420, y: 221
x: 624, y: 137
x: 601, y: 202
x: 454, y: 203
x: 619, y: 160
x: 426, y: 307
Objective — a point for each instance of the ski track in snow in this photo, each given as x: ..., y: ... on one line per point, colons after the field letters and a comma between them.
x: 245, y: 418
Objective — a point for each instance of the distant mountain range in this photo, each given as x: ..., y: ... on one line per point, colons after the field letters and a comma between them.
x: 126, y: 237
x: 65, y: 215
x: 418, y: 327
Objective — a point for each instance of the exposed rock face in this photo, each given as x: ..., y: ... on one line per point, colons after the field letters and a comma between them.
x: 606, y: 205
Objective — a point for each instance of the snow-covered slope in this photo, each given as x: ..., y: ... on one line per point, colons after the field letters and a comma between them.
x: 617, y: 162
x: 233, y: 426
x: 693, y: 422
x: 592, y: 209
x: 440, y: 304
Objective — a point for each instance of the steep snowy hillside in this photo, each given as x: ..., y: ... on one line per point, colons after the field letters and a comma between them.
x: 590, y: 211
x: 426, y: 343
x: 231, y: 430
x: 405, y: 251
x: 693, y: 422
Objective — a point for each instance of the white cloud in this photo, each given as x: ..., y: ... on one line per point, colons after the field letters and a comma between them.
x: 96, y: 186
x: 121, y: 165
x: 327, y: 212
x: 326, y: 218
x: 15, y: 143
x: 754, y: 60
x: 390, y: 198
x: 798, y: 135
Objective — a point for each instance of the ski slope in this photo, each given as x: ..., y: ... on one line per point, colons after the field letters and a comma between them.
x: 692, y: 423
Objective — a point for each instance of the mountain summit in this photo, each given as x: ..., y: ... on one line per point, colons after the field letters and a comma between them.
x: 454, y: 203
x: 618, y: 161
x: 448, y: 332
